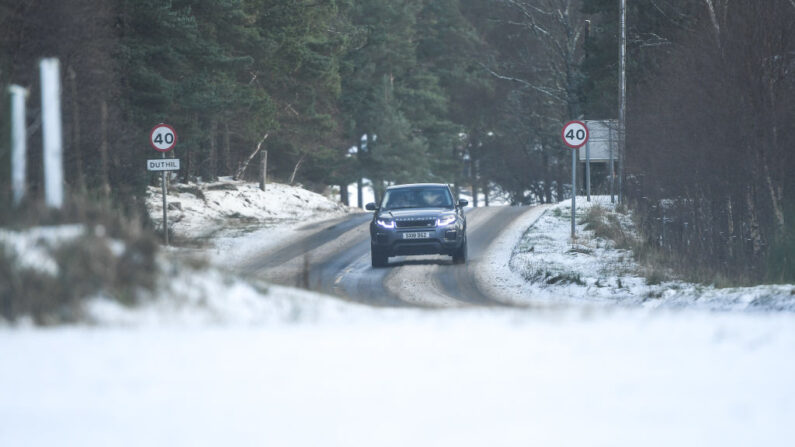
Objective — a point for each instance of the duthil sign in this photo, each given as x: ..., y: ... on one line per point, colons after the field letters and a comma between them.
x: 163, y: 164
x: 163, y: 138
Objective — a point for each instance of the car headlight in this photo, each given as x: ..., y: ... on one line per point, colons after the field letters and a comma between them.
x: 385, y: 223
x: 444, y: 221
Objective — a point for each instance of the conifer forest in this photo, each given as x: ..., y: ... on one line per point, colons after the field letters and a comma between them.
x: 472, y: 93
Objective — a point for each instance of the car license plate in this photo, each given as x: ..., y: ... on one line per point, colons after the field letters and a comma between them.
x: 417, y: 235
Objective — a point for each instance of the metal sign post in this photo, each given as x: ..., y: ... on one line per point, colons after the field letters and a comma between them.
x: 163, y: 138
x: 573, y: 193
x: 612, y: 166
x: 165, y: 204
x: 575, y: 135
x: 588, y: 171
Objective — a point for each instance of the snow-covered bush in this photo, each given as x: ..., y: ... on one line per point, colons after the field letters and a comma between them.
x: 47, y: 272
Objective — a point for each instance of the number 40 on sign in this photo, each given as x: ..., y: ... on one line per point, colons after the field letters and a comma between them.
x: 575, y: 134
x: 163, y: 138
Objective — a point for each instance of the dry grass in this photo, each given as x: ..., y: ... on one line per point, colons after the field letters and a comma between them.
x: 657, y: 265
x: 114, y: 258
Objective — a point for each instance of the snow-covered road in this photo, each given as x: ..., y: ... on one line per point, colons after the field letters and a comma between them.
x: 334, y: 258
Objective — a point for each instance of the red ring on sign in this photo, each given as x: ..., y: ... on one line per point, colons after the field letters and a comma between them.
x: 152, y: 133
x: 563, y: 134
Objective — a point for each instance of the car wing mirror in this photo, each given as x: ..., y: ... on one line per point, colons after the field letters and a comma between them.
x: 463, y: 202
x: 370, y: 207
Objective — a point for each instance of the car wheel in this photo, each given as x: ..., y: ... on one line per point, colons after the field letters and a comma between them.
x: 460, y: 253
x: 378, y: 257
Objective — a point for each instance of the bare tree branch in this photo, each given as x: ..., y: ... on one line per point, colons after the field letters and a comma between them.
x: 243, y: 167
x: 530, y: 85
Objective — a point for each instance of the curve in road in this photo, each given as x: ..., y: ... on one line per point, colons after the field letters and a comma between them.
x: 334, y: 258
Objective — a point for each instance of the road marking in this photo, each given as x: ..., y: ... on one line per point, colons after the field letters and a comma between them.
x: 338, y: 279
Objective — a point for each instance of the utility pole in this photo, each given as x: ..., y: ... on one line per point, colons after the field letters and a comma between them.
x: 622, y: 97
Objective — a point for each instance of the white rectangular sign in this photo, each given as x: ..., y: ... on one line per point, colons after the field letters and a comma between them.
x: 163, y: 164
x: 602, y: 135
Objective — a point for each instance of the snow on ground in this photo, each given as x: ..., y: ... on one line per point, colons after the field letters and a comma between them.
x: 201, y: 297
x: 217, y: 360
x: 408, y: 377
x: 202, y: 210
x: 31, y: 248
x: 546, y: 267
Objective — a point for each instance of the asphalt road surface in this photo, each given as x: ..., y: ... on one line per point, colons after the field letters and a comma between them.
x: 333, y: 257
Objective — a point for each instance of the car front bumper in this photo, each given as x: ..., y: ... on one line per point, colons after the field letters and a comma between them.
x: 442, y: 240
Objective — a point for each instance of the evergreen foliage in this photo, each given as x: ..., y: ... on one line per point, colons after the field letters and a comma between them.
x: 471, y: 92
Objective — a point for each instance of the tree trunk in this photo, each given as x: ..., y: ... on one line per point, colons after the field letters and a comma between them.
x: 227, y: 151
x: 263, y: 180
x: 212, y: 168
x: 756, y: 235
x: 103, y: 149
x: 344, y: 195
x: 359, y: 189
x: 243, y: 166
x: 474, y: 180
x: 295, y: 169
x: 77, y: 142
x: 775, y: 198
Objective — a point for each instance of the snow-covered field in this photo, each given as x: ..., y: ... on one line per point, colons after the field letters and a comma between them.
x: 217, y: 360
x: 463, y: 378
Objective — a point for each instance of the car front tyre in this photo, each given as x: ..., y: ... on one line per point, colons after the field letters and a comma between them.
x: 378, y: 257
x: 460, y: 253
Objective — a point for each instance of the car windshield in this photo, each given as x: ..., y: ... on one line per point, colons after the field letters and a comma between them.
x: 426, y: 197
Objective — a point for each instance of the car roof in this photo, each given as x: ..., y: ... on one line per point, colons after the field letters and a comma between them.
x: 418, y: 185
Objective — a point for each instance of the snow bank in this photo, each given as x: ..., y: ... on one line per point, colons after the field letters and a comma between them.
x: 547, y: 266
x: 208, y: 297
x: 202, y: 210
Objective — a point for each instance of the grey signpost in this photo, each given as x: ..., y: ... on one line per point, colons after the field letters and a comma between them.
x: 588, y: 171
x: 575, y: 135
x: 163, y: 138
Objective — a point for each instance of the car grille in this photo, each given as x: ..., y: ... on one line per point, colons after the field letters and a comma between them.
x: 415, y: 223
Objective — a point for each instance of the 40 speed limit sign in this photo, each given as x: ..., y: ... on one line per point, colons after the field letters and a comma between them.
x: 163, y: 138
x: 575, y: 134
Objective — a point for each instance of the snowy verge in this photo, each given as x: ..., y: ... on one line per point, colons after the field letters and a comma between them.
x: 547, y: 266
x: 212, y: 298
x: 76, y: 274
x: 228, y: 207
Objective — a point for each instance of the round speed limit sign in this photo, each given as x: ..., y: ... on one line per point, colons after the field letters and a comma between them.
x: 575, y: 134
x: 163, y: 138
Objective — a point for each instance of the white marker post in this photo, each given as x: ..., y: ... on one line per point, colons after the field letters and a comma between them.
x: 575, y: 135
x: 163, y: 138
x: 52, y: 132
x: 19, y: 143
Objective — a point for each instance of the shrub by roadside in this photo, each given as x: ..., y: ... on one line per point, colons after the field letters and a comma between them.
x: 52, y: 261
x: 47, y: 272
